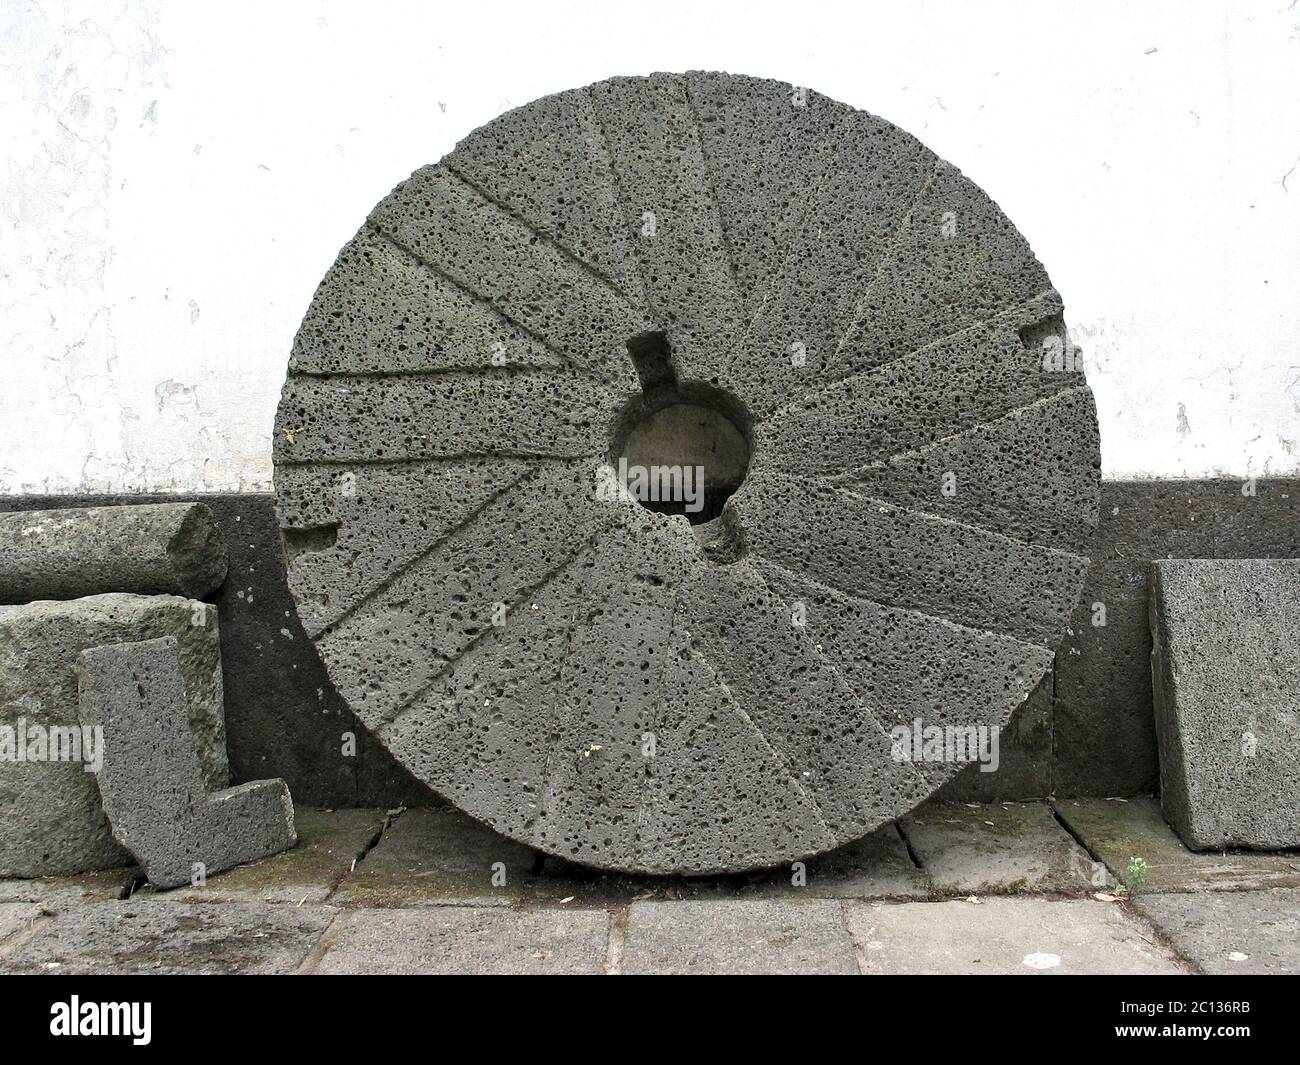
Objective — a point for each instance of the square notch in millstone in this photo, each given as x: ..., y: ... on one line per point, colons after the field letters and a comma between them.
x: 678, y: 447
x: 652, y: 357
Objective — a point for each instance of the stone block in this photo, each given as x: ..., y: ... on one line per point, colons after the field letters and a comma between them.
x: 51, y: 818
x: 149, y: 936
x: 1226, y: 671
x: 151, y: 549
x: 151, y: 784
x: 330, y: 843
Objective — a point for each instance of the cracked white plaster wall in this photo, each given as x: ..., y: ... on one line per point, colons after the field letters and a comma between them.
x: 178, y: 177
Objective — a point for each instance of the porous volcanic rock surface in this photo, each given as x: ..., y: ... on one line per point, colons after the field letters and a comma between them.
x: 705, y: 690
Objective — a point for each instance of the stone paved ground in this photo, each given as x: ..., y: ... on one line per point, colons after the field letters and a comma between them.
x: 1029, y: 888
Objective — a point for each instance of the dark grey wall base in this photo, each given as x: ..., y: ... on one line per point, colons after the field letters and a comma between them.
x: 1087, y: 730
x: 1103, y: 724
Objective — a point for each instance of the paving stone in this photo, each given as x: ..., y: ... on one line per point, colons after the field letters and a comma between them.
x: 876, y: 866
x: 154, y: 936
x: 51, y: 818
x: 430, y: 857
x: 1009, y: 936
x: 329, y: 843
x: 152, y: 548
x: 569, y: 884
x: 16, y: 917
x: 1225, y: 672
x: 997, y: 849
x: 150, y: 782
x: 468, y: 940
x: 1230, y: 932
x: 58, y: 891
x: 698, y: 248
x: 745, y: 937
x: 1116, y: 832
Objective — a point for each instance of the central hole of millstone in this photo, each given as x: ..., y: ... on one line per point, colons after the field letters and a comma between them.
x: 679, y: 447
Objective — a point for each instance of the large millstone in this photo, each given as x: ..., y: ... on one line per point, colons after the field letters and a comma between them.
x: 900, y: 472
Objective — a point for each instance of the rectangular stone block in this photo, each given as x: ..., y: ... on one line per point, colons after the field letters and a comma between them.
x: 51, y: 818
x: 1225, y: 670
x: 330, y: 843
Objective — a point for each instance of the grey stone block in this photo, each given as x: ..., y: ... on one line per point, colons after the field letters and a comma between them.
x: 330, y: 843
x: 161, y: 548
x: 51, y: 818
x: 1006, y: 936
x: 1225, y: 669
x: 151, y: 785
x: 468, y: 940
x: 1231, y: 932
x: 599, y: 679
x: 750, y: 937
x: 999, y: 848
x: 149, y: 936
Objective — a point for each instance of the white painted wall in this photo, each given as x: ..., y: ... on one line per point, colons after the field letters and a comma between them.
x: 178, y: 176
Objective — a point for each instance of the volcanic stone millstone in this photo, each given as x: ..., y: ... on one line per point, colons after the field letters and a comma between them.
x: 922, y: 476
